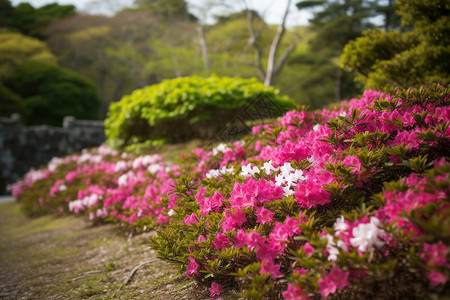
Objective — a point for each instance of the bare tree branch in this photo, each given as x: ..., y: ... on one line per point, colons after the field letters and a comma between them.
x: 252, y: 42
x: 283, y: 58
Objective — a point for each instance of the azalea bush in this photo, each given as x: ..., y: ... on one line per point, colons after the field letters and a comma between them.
x: 339, y: 203
x: 102, y: 184
x: 177, y: 110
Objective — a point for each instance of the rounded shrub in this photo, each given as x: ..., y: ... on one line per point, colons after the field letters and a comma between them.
x: 50, y: 93
x: 181, y: 109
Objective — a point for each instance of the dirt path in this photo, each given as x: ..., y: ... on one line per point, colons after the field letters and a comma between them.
x: 68, y: 258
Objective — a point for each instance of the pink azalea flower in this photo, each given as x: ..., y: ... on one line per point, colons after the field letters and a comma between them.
x: 300, y: 271
x: 191, y: 219
x: 407, y: 138
x: 282, y: 232
x: 308, y: 249
x: 336, y: 279
x: 437, y: 277
x: 71, y: 176
x: 244, y: 195
x: 353, y: 162
x: 200, y: 196
x: 294, y: 293
x: 255, y: 240
x: 162, y: 219
x: 215, y: 289
x: 241, y: 239
x: 310, y: 193
x: 270, y: 267
x: 264, y: 215
x: 221, y: 241
x: 408, y: 119
x: 435, y: 255
x: 233, y: 220
x: 192, y: 268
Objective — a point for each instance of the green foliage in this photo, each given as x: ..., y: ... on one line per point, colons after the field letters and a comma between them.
x: 50, y: 93
x: 383, y: 60
x: 16, y: 49
x: 334, y: 24
x: 33, y: 21
x: 184, y: 108
x: 169, y: 9
x: 6, y: 14
x: 391, y: 60
x: 10, y: 102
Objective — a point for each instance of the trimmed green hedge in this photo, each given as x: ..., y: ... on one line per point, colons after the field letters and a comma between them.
x: 181, y: 109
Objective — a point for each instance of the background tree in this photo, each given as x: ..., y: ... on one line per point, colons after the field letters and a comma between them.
x: 33, y: 21
x: 144, y: 45
x: 50, y: 93
x: 334, y: 24
x: 392, y: 60
x: 130, y: 50
x: 169, y: 9
x: 16, y: 49
x: 6, y: 14
x: 274, y: 63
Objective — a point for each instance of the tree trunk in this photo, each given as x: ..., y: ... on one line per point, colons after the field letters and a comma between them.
x: 271, y: 68
x: 203, y: 46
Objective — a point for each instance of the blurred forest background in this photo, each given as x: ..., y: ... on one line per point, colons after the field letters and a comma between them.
x: 55, y: 61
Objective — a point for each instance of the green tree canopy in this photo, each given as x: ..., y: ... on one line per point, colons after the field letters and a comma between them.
x: 170, y: 9
x: 6, y: 14
x: 334, y: 24
x: 50, y: 93
x: 392, y: 60
x: 33, y: 21
x: 16, y: 48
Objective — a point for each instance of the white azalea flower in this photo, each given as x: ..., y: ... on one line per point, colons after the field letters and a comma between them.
x: 224, y: 170
x: 333, y: 251
x: 340, y: 225
x: 269, y: 168
x: 367, y: 236
x: 288, y: 178
x: 249, y: 170
x: 220, y: 148
x: 120, y: 166
x: 212, y: 173
x: 154, y: 168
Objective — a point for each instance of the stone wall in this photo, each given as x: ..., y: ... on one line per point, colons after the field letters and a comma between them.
x: 24, y: 147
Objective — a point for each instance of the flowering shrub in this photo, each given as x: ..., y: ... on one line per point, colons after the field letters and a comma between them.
x: 103, y: 184
x: 341, y: 203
